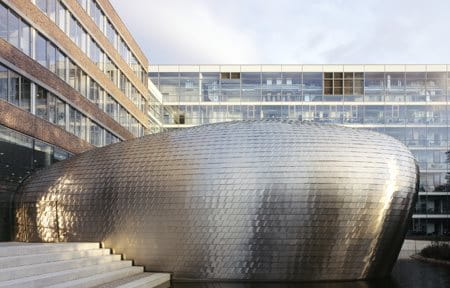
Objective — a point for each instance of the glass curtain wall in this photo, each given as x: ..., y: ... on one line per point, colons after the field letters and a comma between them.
x: 411, y: 107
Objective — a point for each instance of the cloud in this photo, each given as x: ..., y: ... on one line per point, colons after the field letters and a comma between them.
x: 288, y: 31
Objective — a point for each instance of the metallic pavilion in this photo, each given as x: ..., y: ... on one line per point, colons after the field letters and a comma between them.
x: 254, y: 200
x: 407, y: 102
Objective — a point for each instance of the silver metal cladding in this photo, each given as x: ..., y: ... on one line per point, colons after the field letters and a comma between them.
x: 256, y: 200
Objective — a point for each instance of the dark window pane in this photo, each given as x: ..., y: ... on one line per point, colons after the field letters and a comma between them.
x: 14, y: 88
x: 60, y: 113
x: 3, y: 82
x: 25, y: 94
x: 41, y: 103
x: 42, y: 154
x: 51, y: 107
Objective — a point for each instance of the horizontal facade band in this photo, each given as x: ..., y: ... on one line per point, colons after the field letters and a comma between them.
x: 26, y: 123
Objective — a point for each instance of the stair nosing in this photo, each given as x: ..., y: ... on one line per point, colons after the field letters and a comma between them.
x: 139, y: 269
x: 63, y: 272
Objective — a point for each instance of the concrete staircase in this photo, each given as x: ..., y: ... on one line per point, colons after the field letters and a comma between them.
x: 64, y: 265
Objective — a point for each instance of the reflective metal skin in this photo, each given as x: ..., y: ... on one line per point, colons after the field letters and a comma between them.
x: 258, y: 200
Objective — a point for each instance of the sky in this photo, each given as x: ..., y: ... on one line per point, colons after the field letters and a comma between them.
x: 289, y: 31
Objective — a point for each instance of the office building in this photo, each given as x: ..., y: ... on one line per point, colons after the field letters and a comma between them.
x: 408, y: 102
x: 72, y: 78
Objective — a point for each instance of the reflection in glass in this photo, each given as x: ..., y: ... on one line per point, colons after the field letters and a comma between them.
x: 230, y: 87
x: 312, y: 86
x: 189, y: 87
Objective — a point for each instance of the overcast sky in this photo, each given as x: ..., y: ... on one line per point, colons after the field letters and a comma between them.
x: 289, y: 31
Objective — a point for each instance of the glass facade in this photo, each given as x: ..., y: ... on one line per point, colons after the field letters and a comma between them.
x: 58, y: 13
x: 20, y: 155
x: 48, y: 55
x: 16, y: 90
x: 22, y: 86
x: 410, y: 106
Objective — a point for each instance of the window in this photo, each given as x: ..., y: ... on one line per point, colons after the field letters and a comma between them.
x: 415, y: 86
x: 14, y: 90
x: 123, y: 117
x: 61, y: 21
x: 251, y: 87
x: 312, y: 86
x: 51, y: 57
x: 99, y: 100
x: 333, y: 86
x: 93, y: 91
x: 436, y: 86
x: 3, y: 82
x: 13, y: 28
x: 111, y: 107
x: 25, y: 94
x: 83, y: 4
x: 291, y: 89
x: 51, y: 108
x: 395, y: 87
x: 82, y: 121
x: 41, y: 50
x: 111, y: 34
x: 143, y: 104
x: 123, y: 50
x: 41, y: 103
x: 83, y: 83
x: 77, y: 123
x: 72, y: 119
x: 74, y: 75
x: 111, y: 70
x: 25, y: 38
x: 95, y: 138
x: 84, y: 38
x: 60, y: 64
x: 3, y: 22
x: 95, y: 54
x: 42, y: 154
x: 109, y: 138
x: 60, y: 113
x: 51, y: 9
x: 73, y: 33
x: 96, y: 14
x: 96, y: 94
x: 123, y: 83
x: 42, y: 4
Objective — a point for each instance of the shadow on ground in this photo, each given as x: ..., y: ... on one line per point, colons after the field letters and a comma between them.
x: 406, y: 274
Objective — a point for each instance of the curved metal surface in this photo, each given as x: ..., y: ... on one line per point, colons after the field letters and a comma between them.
x: 256, y: 200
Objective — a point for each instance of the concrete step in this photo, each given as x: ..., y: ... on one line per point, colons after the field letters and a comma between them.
x: 15, y: 261
x: 70, y: 265
x: 100, y: 278
x: 48, y: 279
x: 141, y: 280
x: 49, y: 267
x: 8, y: 249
